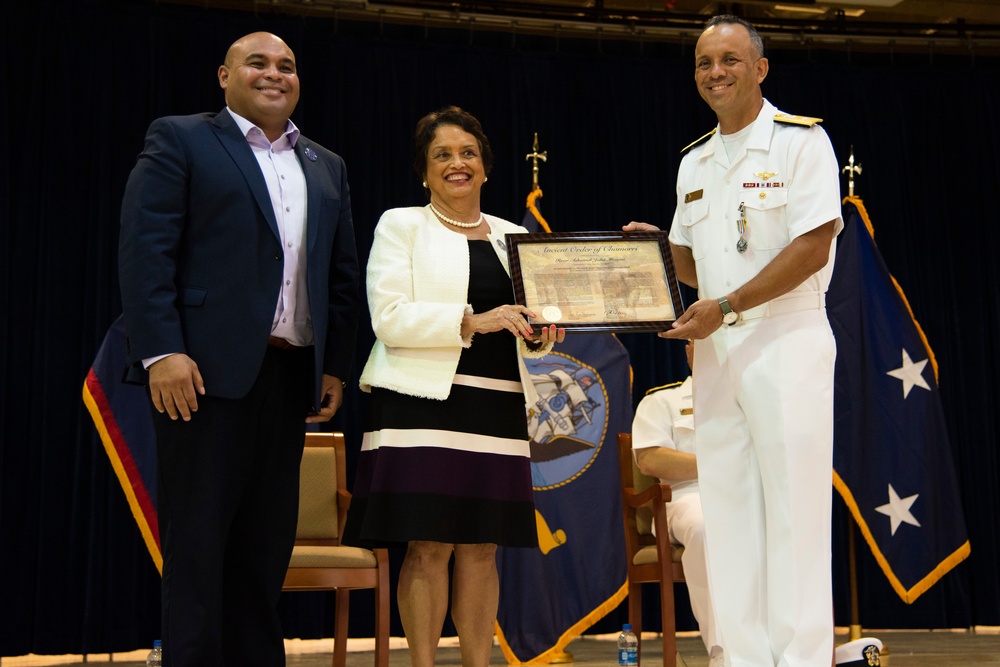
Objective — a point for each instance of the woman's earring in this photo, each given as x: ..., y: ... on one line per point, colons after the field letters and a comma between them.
x: 425, y: 184
x: 485, y: 178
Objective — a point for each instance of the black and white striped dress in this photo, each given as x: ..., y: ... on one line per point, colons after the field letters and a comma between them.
x: 458, y: 470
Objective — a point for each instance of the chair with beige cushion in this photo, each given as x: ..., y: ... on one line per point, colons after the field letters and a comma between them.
x: 319, y: 562
x: 651, y: 558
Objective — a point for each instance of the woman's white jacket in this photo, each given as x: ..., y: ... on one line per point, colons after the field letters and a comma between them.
x: 418, y: 283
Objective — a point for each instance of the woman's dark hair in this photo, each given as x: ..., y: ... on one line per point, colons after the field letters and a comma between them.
x: 428, y: 125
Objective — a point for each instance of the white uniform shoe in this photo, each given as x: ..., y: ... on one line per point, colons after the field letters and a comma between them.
x: 716, y: 658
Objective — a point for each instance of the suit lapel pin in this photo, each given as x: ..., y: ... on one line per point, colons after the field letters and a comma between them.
x: 311, y: 154
x: 502, y: 245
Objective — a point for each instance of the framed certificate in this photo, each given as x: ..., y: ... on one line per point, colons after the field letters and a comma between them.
x: 596, y: 281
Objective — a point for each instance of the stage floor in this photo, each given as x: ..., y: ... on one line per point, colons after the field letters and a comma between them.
x: 904, y: 648
x: 942, y: 648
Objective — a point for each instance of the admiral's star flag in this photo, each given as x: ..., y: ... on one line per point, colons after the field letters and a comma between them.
x: 892, y: 460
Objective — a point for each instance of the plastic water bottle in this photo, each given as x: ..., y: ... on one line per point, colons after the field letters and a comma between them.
x: 628, y: 647
x: 155, y: 657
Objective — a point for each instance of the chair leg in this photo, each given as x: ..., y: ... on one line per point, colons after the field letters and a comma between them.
x: 382, y: 610
x: 635, y: 613
x: 341, y: 611
x: 669, y: 626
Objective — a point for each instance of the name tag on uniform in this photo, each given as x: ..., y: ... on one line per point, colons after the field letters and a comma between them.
x: 687, y: 411
x: 693, y: 196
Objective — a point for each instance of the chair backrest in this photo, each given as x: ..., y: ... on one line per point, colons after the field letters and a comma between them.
x: 322, y: 479
x: 637, y: 480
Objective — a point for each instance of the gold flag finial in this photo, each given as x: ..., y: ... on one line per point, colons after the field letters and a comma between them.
x: 535, y: 156
x: 851, y: 170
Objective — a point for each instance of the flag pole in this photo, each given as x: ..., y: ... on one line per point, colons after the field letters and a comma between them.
x: 855, y: 628
x: 851, y: 169
x: 535, y: 156
x: 536, y: 191
x: 562, y: 657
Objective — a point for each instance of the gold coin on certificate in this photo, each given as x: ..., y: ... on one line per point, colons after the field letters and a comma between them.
x: 551, y: 314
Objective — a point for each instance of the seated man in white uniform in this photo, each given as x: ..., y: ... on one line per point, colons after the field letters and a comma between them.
x: 663, y: 443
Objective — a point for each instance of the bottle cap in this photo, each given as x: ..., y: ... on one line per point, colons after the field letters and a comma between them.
x: 157, y: 642
x: 627, y: 626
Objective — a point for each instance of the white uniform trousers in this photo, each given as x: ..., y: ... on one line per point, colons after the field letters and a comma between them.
x: 687, y: 527
x: 763, y: 405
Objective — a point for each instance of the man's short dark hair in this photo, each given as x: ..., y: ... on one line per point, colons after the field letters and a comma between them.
x: 755, y: 40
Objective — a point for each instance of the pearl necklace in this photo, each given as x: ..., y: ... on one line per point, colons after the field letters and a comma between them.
x: 464, y: 225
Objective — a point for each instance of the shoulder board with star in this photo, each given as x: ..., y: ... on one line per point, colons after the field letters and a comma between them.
x: 705, y: 137
x: 789, y: 119
x: 664, y: 386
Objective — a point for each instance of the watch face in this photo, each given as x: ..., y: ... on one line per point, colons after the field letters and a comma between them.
x: 730, y: 317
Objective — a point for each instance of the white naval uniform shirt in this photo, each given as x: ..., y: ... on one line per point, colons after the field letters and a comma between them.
x: 665, y: 418
x: 781, y: 176
x: 764, y: 393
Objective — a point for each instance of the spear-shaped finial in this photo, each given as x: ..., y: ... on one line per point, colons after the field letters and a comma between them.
x: 535, y: 156
x: 851, y: 170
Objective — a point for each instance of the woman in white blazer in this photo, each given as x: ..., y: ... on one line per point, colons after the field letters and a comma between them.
x: 445, y: 464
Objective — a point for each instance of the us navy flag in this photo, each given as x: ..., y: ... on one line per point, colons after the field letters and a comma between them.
x: 551, y: 595
x: 892, y: 460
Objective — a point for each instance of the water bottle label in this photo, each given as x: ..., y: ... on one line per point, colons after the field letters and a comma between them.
x: 628, y: 657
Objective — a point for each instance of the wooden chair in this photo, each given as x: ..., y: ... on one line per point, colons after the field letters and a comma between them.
x: 650, y: 558
x: 319, y: 562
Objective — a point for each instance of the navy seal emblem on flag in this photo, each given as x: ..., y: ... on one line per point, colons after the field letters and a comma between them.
x: 568, y: 423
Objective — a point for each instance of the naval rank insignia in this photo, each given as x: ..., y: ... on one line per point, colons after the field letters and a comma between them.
x: 790, y: 119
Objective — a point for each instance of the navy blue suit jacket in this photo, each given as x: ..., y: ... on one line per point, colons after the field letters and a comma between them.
x: 200, y: 257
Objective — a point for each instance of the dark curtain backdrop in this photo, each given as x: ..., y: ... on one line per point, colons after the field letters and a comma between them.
x: 82, y: 81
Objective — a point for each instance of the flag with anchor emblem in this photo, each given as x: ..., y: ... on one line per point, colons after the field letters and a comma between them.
x: 552, y: 594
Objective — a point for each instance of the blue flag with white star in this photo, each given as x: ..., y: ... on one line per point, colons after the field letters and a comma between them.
x: 892, y: 459
x: 550, y: 595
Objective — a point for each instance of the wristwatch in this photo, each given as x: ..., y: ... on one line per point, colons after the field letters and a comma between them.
x: 729, y: 316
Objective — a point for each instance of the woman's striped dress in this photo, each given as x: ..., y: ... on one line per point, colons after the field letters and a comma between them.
x: 458, y: 470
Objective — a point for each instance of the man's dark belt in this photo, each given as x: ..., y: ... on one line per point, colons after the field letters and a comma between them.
x: 281, y: 343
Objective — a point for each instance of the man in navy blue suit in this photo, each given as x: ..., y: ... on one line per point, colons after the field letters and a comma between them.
x: 239, y: 279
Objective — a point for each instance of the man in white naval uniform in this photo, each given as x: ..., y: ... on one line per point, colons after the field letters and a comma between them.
x: 663, y: 444
x: 757, y: 212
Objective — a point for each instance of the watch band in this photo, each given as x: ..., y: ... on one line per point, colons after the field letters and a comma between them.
x: 729, y: 316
